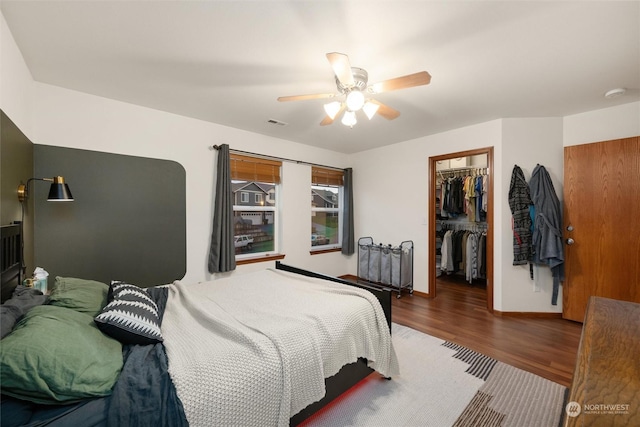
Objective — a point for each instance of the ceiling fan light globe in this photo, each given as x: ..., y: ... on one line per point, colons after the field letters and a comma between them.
x: 370, y: 109
x: 349, y: 118
x: 355, y: 100
x: 332, y: 109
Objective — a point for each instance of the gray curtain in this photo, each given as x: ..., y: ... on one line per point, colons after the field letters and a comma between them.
x: 222, y: 254
x: 348, y: 241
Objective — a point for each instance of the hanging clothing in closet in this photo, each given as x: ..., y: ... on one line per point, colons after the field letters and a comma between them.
x: 482, y: 255
x: 469, y: 190
x: 471, y: 269
x: 464, y: 195
x: 452, y: 197
x: 464, y: 251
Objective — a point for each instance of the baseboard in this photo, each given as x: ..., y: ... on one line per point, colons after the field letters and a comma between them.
x: 529, y: 314
x: 353, y: 278
x: 421, y: 294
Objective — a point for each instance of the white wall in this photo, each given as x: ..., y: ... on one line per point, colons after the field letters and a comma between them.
x: 16, y: 83
x: 622, y: 121
x: 391, y: 188
x: 72, y: 119
x: 526, y: 143
x: 390, y: 183
x: 51, y: 115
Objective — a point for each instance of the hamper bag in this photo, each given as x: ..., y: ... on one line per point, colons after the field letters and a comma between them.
x: 364, y: 246
x: 385, y: 265
x: 374, y: 263
x: 396, y: 261
x: 401, y: 264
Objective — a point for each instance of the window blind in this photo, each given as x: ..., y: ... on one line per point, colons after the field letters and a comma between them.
x: 323, y: 176
x: 247, y: 168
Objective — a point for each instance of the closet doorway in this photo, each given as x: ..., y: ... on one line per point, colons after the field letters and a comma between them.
x: 476, y: 219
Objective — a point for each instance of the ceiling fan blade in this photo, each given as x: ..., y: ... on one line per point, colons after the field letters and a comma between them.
x: 306, y: 97
x: 385, y: 111
x: 342, y: 68
x: 328, y: 120
x: 411, y: 80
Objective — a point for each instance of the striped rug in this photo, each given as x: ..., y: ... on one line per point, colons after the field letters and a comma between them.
x: 443, y: 384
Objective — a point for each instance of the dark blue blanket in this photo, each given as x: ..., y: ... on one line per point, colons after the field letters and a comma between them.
x: 144, y: 394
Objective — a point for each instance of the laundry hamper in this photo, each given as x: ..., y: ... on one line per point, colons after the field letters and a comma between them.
x: 386, y: 265
x: 364, y: 246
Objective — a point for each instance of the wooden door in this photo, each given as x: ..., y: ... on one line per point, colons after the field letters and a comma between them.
x: 602, y: 219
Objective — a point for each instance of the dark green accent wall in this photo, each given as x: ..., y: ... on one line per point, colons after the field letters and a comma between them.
x: 128, y: 220
x: 16, y: 167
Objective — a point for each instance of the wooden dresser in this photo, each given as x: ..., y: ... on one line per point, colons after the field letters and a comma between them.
x: 606, y: 381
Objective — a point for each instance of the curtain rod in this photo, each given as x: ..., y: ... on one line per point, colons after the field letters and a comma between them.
x: 282, y: 159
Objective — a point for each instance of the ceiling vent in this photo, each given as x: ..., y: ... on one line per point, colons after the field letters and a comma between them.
x: 276, y: 122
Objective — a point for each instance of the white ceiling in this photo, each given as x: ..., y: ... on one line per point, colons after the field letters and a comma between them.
x: 227, y: 61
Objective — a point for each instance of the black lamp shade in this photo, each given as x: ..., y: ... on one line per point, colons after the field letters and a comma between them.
x: 59, y: 191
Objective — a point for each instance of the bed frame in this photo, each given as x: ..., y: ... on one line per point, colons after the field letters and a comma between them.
x: 353, y: 373
x: 346, y: 378
x: 11, y: 259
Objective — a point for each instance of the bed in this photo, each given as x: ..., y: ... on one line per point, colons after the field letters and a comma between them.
x: 235, y: 351
x: 11, y: 259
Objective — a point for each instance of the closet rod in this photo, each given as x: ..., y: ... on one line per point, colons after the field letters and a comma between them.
x: 282, y: 159
x: 454, y: 171
x: 461, y: 169
x: 463, y: 225
x: 455, y: 221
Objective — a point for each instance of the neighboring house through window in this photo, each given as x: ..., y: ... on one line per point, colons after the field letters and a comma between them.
x: 254, y: 184
x: 326, y: 207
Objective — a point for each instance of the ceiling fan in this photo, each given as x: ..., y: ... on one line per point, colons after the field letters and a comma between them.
x: 351, y: 83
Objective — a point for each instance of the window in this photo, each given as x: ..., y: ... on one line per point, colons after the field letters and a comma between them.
x: 326, y: 209
x: 255, y: 223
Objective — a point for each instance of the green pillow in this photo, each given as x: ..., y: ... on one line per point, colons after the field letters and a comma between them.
x: 85, y: 296
x: 57, y: 355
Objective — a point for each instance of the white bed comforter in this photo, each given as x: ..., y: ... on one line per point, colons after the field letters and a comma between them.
x: 254, y: 349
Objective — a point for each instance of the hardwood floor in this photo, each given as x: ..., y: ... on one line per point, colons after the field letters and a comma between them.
x: 543, y: 346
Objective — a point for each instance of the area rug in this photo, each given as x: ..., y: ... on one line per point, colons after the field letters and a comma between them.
x: 442, y: 384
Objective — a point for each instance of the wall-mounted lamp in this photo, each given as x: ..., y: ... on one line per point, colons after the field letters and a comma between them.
x: 59, y: 191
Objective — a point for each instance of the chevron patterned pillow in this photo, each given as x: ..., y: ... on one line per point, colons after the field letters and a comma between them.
x: 131, y: 316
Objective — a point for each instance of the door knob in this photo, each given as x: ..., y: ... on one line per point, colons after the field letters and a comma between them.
x: 570, y: 241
